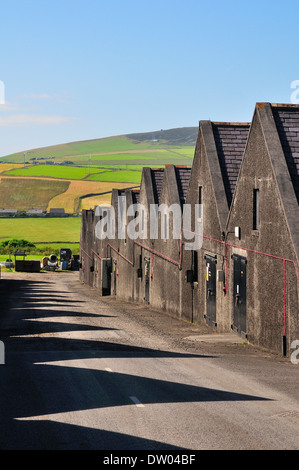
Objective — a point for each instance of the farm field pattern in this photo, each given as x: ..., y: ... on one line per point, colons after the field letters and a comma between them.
x: 80, y: 175
x: 97, y: 166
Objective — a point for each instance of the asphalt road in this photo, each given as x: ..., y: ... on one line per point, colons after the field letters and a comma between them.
x: 85, y: 372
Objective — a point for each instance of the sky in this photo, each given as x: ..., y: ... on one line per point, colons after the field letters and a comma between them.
x: 79, y: 70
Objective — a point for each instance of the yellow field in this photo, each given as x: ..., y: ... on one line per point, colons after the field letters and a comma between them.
x: 91, y: 202
x: 19, y: 192
x: 70, y: 199
x: 9, y: 166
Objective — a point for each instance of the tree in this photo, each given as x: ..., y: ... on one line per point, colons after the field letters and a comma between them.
x: 16, y: 244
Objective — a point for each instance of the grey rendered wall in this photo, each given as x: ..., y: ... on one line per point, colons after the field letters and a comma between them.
x: 205, y: 173
x: 265, y: 274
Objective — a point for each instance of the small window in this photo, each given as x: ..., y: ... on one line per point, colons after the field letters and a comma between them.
x: 139, y: 270
x: 200, y: 202
x: 256, y: 209
x: 142, y: 221
x: 195, y: 266
x: 165, y: 231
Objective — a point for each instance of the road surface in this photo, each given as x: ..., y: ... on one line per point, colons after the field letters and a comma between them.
x: 85, y: 372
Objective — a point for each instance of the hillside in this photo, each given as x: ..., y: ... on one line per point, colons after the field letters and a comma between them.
x: 62, y: 175
x: 184, y: 136
x: 141, y: 142
x: 80, y: 175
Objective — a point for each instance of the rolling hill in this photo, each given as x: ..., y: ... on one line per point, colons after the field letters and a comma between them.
x: 60, y: 175
x: 80, y: 175
x: 123, y: 144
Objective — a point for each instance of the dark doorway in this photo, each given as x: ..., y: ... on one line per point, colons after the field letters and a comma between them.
x: 239, y: 323
x: 114, y: 275
x: 211, y: 263
x: 147, y: 280
x: 106, y: 276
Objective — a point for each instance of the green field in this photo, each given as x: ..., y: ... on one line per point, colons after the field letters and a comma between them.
x: 45, y: 230
x: 188, y: 151
x: 146, y: 155
x: 52, y: 171
x: 96, y: 174
x: 94, y: 169
x: 44, y: 233
x: 117, y: 176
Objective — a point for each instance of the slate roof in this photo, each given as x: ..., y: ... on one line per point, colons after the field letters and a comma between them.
x: 230, y: 140
x: 287, y: 124
x: 183, y: 177
x: 135, y: 195
x: 157, y: 179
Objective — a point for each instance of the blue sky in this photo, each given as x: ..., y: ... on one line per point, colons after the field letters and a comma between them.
x: 77, y: 70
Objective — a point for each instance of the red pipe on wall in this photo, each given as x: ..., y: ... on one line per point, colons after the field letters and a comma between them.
x: 98, y: 256
x: 260, y: 253
x: 119, y: 254
x: 179, y: 263
x: 161, y: 255
x: 85, y: 253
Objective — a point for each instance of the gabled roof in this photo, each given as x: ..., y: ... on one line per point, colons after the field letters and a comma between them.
x: 157, y: 180
x: 183, y: 174
x: 230, y: 141
x: 279, y: 123
x: 135, y: 196
x: 223, y: 144
x: 287, y: 122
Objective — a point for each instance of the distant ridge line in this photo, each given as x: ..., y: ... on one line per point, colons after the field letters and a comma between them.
x: 180, y: 136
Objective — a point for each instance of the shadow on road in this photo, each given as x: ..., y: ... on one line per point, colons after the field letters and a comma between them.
x: 33, y: 385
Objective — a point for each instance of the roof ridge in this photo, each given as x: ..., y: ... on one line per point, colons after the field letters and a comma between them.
x: 219, y: 123
x: 278, y: 105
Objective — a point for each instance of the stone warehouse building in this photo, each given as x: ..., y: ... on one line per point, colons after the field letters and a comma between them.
x: 217, y: 159
x: 263, y: 260
x: 243, y: 275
